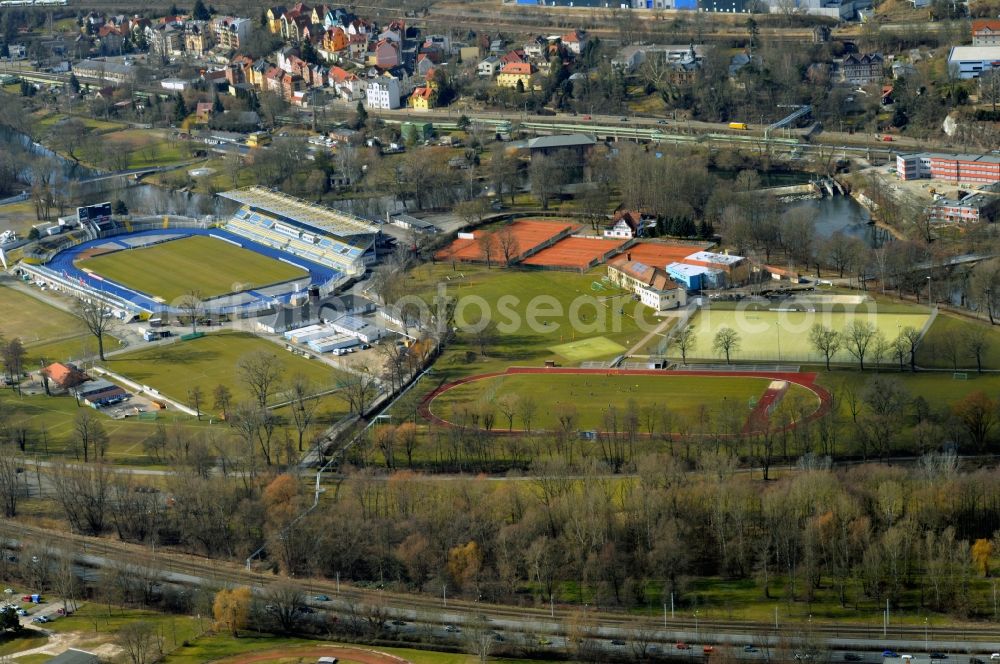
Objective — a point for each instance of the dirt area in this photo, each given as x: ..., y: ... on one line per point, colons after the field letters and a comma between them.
x: 344, y: 654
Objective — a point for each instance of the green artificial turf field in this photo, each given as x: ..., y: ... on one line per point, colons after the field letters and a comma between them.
x: 587, y: 349
x: 784, y: 335
x: 197, y: 263
x: 591, y: 394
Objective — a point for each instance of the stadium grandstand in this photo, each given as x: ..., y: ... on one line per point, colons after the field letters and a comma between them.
x: 324, y: 236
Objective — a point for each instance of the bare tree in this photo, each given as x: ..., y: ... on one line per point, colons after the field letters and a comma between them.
x: 527, y: 406
x: 222, y: 399
x: 487, y: 243
x: 303, y: 404
x: 825, y: 340
x: 83, y: 493
x: 509, y: 245
x: 260, y: 372
x: 481, y: 638
x: 11, y: 488
x: 192, y: 306
x: 858, y: 337
x: 90, y: 432
x: 976, y: 344
x: 285, y: 601
x: 140, y: 642
x: 99, y: 320
x: 196, y: 395
x: 684, y: 340
x: 360, y: 387
x: 726, y: 341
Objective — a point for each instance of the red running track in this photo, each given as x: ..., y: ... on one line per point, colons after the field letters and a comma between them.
x: 806, y: 380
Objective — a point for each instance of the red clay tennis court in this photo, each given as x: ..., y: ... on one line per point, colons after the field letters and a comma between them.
x: 574, y: 252
x: 659, y: 254
x: 529, y: 233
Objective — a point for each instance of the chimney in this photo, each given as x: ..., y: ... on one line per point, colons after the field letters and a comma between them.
x: 628, y: 256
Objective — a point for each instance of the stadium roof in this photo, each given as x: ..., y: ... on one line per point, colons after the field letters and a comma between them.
x: 337, y: 223
x: 561, y: 141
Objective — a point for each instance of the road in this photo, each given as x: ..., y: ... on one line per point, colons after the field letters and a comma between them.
x: 431, y: 614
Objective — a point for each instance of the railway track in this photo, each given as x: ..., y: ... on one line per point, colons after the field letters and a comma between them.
x: 215, y: 573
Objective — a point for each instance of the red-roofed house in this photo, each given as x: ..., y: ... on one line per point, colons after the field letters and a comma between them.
x: 985, y: 32
x: 654, y: 286
x: 575, y: 41
x: 346, y: 84
x: 516, y: 55
x: 422, y: 98
x: 385, y: 54
x: 625, y: 224
x: 203, y: 111
x: 517, y: 74
x: 64, y: 376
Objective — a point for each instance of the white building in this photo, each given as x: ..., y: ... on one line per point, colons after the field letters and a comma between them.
x: 970, y: 61
x: 489, y: 66
x: 382, y: 93
x: 653, y: 286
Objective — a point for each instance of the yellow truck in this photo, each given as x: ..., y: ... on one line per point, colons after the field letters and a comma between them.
x: 742, y: 126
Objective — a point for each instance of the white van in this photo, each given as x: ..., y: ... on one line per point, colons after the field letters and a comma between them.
x: 327, y: 660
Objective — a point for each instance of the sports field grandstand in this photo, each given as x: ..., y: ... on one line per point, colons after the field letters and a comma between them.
x: 327, y: 237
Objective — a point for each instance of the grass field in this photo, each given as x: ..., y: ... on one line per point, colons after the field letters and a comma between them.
x: 946, y: 334
x: 534, y: 312
x: 683, y: 396
x: 587, y: 349
x: 196, y: 263
x: 177, y: 368
x: 47, y: 333
x: 784, y: 335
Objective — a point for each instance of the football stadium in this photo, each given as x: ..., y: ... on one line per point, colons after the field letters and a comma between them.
x: 271, y: 248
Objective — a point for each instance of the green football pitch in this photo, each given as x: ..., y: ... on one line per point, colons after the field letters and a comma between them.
x: 197, y: 263
x: 591, y: 394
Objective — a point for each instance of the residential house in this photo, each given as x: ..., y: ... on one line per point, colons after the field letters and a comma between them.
x: 110, y: 39
x: 536, y: 48
x: 513, y: 56
x: 333, y: 42
x: 347, y: 85
x: 395, y: 32
x: 64, y: 376
x: 272, y: 80
x: 273, y: 16
x: 293, y: 21
x: 406, y: 82
x: 652, y: 285
x: 230, y: 32
x: 203, y: 111
x: 385, y: 54
x: 424, y: 66
x: 986, y: 32
x: 382, y: 93
x: 165, y: 39
x: 625, y: 224
x: 196, y: 40
x: 517, y: 75
x: 489, y: 66
x: 422, y: 98
x: 575, y: 41
x: 863, y: 68
x: 359, y: 26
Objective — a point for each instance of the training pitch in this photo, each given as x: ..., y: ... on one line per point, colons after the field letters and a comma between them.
x: 197, y: 263
x: 587, y: 349
x: 784, y: 335
x: 680, y: 396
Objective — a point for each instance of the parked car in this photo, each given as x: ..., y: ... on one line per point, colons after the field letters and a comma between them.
x: 976, y: 660
x: 938, y: 655
x: 749, y: 648
x: 321, y: 598
x: 890, y: 654
x: 707, y: 650
x: 451, y: 628
x: 680, y: 645
x: 852, y: 657
x: 398, y: 623
x: 617, y: 642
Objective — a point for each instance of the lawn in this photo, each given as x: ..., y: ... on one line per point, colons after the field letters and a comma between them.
x: 175, y: 369
x: 946, y: 335
x: 682, y: 396
x: 784, y: 335
x: 26, y: 640
x: 148, y: 148
x: 47, y: 333
x: 535, y: 312
x: 207, y: 265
